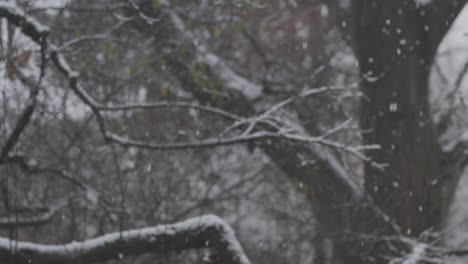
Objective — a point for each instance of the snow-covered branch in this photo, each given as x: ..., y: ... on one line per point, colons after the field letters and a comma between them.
x: 205, y: 232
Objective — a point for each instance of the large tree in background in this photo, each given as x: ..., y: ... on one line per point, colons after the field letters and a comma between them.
x: 396, y: 44
x: 409, y: 181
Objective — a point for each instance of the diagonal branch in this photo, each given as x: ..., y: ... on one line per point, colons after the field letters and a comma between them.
x: 217, y: 66
x: 24, y: 118
x: 21, y: 124
x: 38, y: 33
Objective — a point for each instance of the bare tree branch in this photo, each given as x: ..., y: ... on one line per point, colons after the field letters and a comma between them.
x: 19, y: 220
x: 168, y: 104
x: 31, y: 166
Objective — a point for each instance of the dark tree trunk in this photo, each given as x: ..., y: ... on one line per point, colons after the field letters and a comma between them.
x: 395, y: 43
x: 395, y: 55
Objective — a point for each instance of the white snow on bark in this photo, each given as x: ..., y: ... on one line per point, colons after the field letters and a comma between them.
x: 230, y: 79
x: 220, y: 69
x: 417, y: 255
x: 423, y: 2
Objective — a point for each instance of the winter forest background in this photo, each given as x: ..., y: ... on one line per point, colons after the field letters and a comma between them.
x: 233, y: 131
